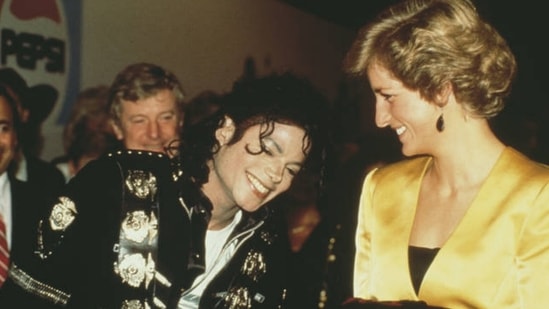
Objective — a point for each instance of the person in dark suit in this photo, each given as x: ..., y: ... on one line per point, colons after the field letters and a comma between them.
x: 33, y: 105
x: 19, y: 201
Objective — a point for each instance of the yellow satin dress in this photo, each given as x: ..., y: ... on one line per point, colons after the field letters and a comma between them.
x: 497, y: 257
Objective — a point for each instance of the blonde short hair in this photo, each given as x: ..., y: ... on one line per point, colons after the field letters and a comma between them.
x: 427, y: 44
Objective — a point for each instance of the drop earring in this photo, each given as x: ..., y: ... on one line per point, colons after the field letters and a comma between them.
x: 440, y: 123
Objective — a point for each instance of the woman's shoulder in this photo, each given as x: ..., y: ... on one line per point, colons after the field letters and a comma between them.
x: 516, y: 163
x: 403, y: 174
x: 408, y: 166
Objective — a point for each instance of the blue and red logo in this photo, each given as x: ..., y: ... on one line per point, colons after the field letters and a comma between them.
x: 41, y: 41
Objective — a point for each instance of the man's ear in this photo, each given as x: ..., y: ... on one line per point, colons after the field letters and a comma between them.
x: 117, y: 130
x: 24, y: 114
x: 225, y: 132
x: 181, y: 119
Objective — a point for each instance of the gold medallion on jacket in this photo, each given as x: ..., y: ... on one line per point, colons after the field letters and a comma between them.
x: 62, y: 214
x: 238, y: 298
x: 254, y: 265
x: 141, y: 184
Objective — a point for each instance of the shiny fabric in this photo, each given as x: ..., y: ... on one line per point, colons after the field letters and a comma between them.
x: 498, y: 256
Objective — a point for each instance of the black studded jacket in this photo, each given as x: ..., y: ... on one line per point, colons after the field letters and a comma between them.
x: 117, y: 237
x: 255, y: 277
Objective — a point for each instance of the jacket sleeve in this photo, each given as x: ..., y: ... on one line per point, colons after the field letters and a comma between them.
x: 362, y: 239
x: 533, y: 254
x: 69, y: 239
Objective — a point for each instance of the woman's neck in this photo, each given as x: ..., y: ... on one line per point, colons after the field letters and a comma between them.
x: 467, y: 159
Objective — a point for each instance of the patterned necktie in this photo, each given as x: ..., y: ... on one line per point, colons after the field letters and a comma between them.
x: 4, y: 253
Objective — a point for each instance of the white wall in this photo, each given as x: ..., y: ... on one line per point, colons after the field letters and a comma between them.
x: 205, y: 43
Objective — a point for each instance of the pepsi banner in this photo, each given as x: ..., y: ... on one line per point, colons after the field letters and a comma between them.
x: 40, y: 40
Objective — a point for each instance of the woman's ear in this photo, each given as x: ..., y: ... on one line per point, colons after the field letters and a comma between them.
x: 225, y: 132
x: 444, y: 94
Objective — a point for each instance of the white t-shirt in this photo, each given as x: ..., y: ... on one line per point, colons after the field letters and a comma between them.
x: 217, y: 256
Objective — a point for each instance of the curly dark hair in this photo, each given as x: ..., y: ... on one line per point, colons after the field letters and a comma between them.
x: 277, y: 98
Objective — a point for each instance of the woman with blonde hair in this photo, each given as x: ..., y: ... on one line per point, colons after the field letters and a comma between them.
x: 463, y: 222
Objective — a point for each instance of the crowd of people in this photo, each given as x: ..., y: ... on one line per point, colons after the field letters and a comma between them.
x: 257, y: 198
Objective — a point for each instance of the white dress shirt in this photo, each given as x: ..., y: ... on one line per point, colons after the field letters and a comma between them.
x: 5, y: 204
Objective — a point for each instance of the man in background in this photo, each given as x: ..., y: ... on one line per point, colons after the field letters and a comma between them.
x: 145, y: 105
x: 19, y: 201
x: 34, y: 104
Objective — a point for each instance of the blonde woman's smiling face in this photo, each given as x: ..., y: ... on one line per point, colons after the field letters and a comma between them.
x: 403, y: 110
